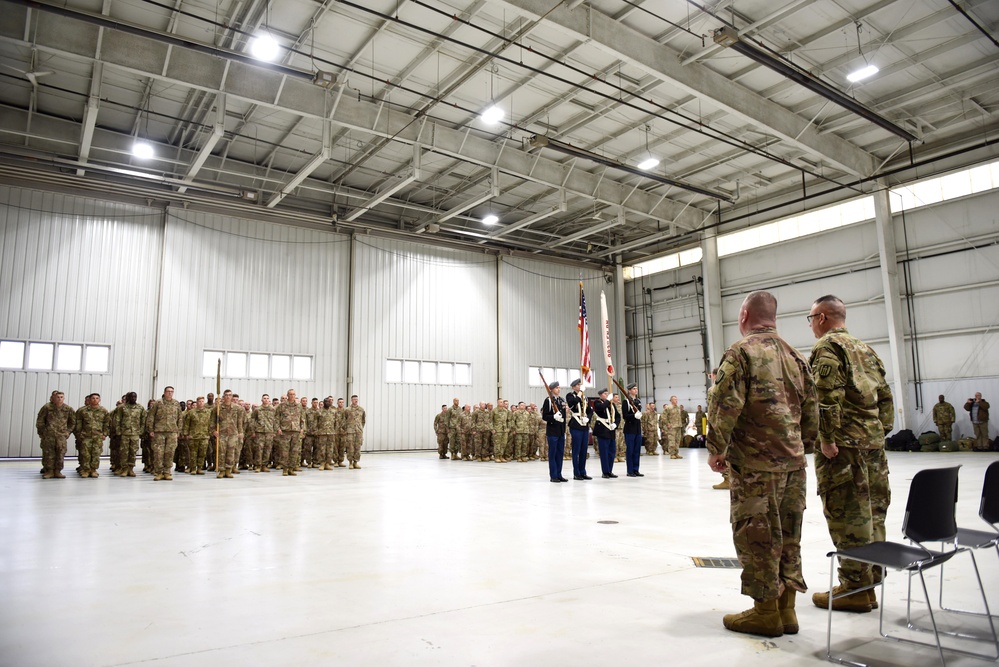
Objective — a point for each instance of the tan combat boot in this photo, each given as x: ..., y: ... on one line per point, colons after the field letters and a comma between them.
x: 785, y: 605
x: 220, y: 475
x: 722, y: 484
x: 48, y: 475
x: 168, y: 476
x: 130, y: 472
x: 856, y: 602
x: 357, y: 466
x: 158, y: 477
x: 762, y: 619
x: 58, y: 475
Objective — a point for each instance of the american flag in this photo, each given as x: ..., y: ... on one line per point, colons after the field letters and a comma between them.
x: 584, y: 339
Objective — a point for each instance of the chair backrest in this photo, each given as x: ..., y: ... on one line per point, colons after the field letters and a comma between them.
x: 930, y: 513
x: 990, y: 495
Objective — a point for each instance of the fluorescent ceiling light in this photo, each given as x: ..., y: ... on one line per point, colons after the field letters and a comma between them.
x: 492, y: 115
x: 264, y: 47
x: 490, y: 219
x: 862, y: 74
x: 143, y: 150
x: 648, y: 163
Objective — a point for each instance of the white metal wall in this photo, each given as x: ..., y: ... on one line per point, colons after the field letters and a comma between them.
x: 74, y: 270
x: 420, y: 303
x: 244, y: 285
x: 539, y: 311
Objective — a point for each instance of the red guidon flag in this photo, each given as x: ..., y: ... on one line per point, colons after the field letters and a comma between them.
x: 606, y: 333
x: 584, y: 340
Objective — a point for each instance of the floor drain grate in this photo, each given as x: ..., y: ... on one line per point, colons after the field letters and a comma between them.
x: 703, y: 561
x: 606, y: 521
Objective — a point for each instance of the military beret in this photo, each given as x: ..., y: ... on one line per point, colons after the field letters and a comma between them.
x: 553, y: 385
x: 602, y: 392
x: 576, y: 382
x: 633, y: 385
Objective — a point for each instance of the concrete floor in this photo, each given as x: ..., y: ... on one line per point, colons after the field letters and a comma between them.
x: 415, y: 561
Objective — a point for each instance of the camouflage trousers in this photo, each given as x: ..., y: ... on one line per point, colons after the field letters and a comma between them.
x: 164, y: 446
x: 339, y: 447
x: 353, y: 445
x: 671, y: 438
x: 182, y: 455
x: 212, y: 451
x: 454, y: 441
x: 619, y: 442
x: 475, y: 440
x: 442, y: 444
x: 53, y: 453
x: 129, y: 445
x: 260, y: 452
x: 501, y: 443
x: 766, y: 515
x: 90, y: 448
x: 521, y: 441
x: 323, y: 454
x: 228, y: 451
x: 308, y: 443
x: 199, y: 450
x: 651, y: 440
x: 945, y: 431
x: 982, y: 437
x: 114, y: 451
x: 855, y: 495
x: 288, y: 446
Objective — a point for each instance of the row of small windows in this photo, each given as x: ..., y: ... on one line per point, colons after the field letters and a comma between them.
x: 257, y: 365
x: 60, y: 357
x: 412, y: 371
x: 906, y: 198
x: 563, y: 375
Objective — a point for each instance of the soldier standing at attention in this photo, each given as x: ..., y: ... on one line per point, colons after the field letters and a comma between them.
x: 579, y: 429
x: 671, y: 427
x: 523, y: 428
x: 440, y: 430
x: 632, y: 412
x: 553, y: 413
x: 699, y: 418
x: 54, y: 423
x: 501, y: 429
x: 539, y: 450
x: 465, y: 433
x: 856, y: 412
x: 228, y: 432
x: 210, y: 404
x: 290, y: 422
x: 114, y: 444
x: 978, y: 410
x: 92, y: 425
x: 605, y: 421
x: 354, y: 420
x: 309, y: 442
x: 650, y: 429
x: 453, y: 419
x: 325, y: 433
x: 197, y: 428
x: 762, y: 417
x: 129, y: 421
x: 264, y: 421
x: 163, y: 424
x: 340, y: 440
x: 943, y: 417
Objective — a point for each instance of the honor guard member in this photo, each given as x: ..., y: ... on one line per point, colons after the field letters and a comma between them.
x: 440, y: 430
x: 762, y: 418
x: 163, y: 424
x: 978, y: 410
x: 354, y: 419
x: 129, y: 421
x: 650, y: 429
x: 856, y: 411
x: 553, y: 413
x: 672, y: 430
x: 632, y: 413
x: 579, y: 428
x: 93, y: 423
x: 198, y: 423
x: 943, y: 417
x: 605, y: 420
x: 290, y: 423
x: 54, y: 423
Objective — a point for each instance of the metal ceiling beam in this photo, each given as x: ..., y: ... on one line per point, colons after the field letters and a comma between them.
x: 415, y: 174
x: 464, y: 206
x: 596, y: 229
x: 626, y: 44
x: 560, y: 207
x: 90, y: 115
x: 303, y: 173
x: 218, y: 130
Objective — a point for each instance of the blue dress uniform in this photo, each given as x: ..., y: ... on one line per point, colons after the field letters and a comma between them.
x: 579, y: 431
x: 632, y: 409
x: 555, y: 432
x: 605, y: 421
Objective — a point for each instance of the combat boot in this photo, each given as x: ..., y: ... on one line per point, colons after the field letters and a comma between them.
x: 284, y: 472
x: 168, y: 476
x: 48, y: 475
x: 158, y: 477
x: 130, y: 472
x: 357, y: 466
x: 58, y: 475
x: 221, y: 475
x: 291, y: 471
x: 785, y: 605
x: 762, y: 619
x: 228, y: 474
x: 722, y: 484
x: 856, y: 602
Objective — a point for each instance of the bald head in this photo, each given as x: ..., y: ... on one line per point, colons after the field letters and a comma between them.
x: 758, y: 310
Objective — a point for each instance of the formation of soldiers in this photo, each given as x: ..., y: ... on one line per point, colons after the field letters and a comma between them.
x: 201, y: 435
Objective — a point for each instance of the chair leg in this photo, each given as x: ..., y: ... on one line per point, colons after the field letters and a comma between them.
x: 929, y: 606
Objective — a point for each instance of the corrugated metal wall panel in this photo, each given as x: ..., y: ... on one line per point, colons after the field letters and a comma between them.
x: 243, y: 285
x: 420, y: 303
x: 74, y: 270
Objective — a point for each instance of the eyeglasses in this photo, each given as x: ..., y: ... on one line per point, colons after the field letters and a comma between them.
x: 809, y: 318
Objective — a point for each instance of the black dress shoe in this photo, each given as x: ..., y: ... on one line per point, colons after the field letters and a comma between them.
x: 562, y: 479
x: 587, y: 477
x: 578, y: 478
x: 612, y: 475
x: 631, y: 474
x: 555, y: 481
x: 606, y: 476
x: 638, y: 474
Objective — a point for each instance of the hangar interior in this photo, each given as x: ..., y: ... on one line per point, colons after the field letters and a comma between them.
x: 403, y: 201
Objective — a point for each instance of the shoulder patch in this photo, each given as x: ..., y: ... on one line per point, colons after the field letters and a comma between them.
x: 825, y: 370
x: 719, y: 376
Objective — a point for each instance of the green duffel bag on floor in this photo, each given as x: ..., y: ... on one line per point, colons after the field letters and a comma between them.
x: 929, y: 448
x: 929, y: 438
x: 966, y: 444
x: 947, y: 446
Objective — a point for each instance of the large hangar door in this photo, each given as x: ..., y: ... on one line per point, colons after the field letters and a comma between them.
x: 678, y: 364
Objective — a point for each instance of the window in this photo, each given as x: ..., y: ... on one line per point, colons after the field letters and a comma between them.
x: 950, y: 186
x: 257, y: 365
x: 414, y: 371
x: 58, y: 357
x: 563, y: 375
x: 665, y: 263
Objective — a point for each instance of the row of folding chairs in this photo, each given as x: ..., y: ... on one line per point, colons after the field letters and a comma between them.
x: 931, y: 517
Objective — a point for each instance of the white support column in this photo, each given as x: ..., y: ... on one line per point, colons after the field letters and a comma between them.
x: 893, y: 305
x: 712, y: 296
x: 619, y: 332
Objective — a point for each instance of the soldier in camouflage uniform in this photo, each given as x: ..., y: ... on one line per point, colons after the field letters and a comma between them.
x: 326, y: 425
x: 264, y: 422
x: 247, y: 444
x: 54, y: 423
x: 229, y: 431
x: 309, y: 458
x: 197, y: 426
x: 129, y: 422
x: 857, y: 411
x: 943, y: 417
x: 501, y: 432
x: 440, y: 430
x: 92, y: 425
x: 619, y: 433
x: 212, y: 441
x: 290, y: 423
x: 340, y: 441
x: 650, y: 429
x: 465, y: 433
x: 163, y: 424
x: 354, y: 420
x: 521, y: 431
x: 114, y: 440
x: 487, y: 453
x: 453, y: 421
x: 540, y: 449
x: 671, y: 426
x: 762, y: 419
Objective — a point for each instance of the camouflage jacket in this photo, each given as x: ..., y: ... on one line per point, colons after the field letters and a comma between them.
x: 290, y: 417
x: 699, y: 422
x: 326, y: 421
x: 650, y: 421
x: 129, y: 420
x: 92, y: 421
x: 855, y: 402
x: 353, y: 419
x: 231, y: 418
x: 464, y: 422
x: 198, y: 422
x: 311, y: 416
x: 501, y: 420
x: 440, y: 423
x: 481, y: 423
x: 164, y: 417
x: 670, y: 417
x: 453, y: 416
x: 264, y: 419
x: 521, y: 422
x: 55, y: 422
x: 764, y: 408
x: 943, y: 413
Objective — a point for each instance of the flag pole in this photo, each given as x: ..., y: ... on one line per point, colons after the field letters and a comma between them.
x: 218, y: 400
x: 605, y: 331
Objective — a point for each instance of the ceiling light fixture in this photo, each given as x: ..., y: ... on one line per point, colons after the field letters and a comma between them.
x: 143, y: 150
x: 492, y: 115
x: 862, y: 73
x: 727, y: 36
x: 490, y: 219
x: 264, y: 47
x: 648, y: 163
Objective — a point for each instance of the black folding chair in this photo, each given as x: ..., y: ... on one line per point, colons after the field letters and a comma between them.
x: 929, y: 517
x: 970, y: 539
